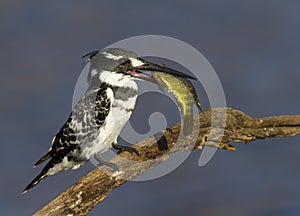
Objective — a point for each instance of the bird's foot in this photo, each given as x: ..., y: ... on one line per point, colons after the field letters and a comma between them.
x: 106, y: 163
x: 170, y: 129
x: 125, y: 148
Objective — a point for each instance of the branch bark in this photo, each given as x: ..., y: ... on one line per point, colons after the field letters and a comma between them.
x: 91, y: 189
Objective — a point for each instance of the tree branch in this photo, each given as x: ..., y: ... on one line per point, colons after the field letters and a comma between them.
x: 91, y: 189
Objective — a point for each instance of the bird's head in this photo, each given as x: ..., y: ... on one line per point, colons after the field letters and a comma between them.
x: 126, y: 63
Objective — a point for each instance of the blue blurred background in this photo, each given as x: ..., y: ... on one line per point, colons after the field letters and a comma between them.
x: 254, y: 48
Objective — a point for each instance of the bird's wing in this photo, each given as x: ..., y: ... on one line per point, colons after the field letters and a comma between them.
x: 42, y: 159
x: 86, y: 118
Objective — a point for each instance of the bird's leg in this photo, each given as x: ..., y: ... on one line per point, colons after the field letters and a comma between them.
x: 120, y: 148
x: 105, y: 163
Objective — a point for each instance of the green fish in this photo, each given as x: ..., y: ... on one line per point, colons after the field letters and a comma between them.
x: 184, y: 94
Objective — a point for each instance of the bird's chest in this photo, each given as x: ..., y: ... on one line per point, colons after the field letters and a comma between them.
x: 116, y: 120
x: 121, y: 112
x: 121, y: 109
x: 123, y: 104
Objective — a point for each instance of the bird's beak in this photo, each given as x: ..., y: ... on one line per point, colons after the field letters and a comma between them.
x: 148, y: 66
x: 140, y: 75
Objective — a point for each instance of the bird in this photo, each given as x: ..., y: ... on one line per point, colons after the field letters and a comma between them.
x: 99, y: 116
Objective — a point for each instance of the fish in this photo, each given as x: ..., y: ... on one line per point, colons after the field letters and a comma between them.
x: 184, y: 93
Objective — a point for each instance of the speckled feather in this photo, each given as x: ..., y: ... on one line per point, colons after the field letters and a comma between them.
x: 82, y: 126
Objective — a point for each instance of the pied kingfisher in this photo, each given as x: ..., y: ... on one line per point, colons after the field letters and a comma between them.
x: 97, y: 119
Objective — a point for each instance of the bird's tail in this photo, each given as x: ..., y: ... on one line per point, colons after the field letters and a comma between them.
x: 44, y: 173
x: 35, y: 181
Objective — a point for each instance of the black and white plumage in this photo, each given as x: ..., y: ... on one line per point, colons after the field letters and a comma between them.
x: 99, y: 116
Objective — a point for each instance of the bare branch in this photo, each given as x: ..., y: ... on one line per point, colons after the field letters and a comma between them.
x: 94, y: 187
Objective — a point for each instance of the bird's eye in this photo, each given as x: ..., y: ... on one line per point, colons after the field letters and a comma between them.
x: 124, y: 66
